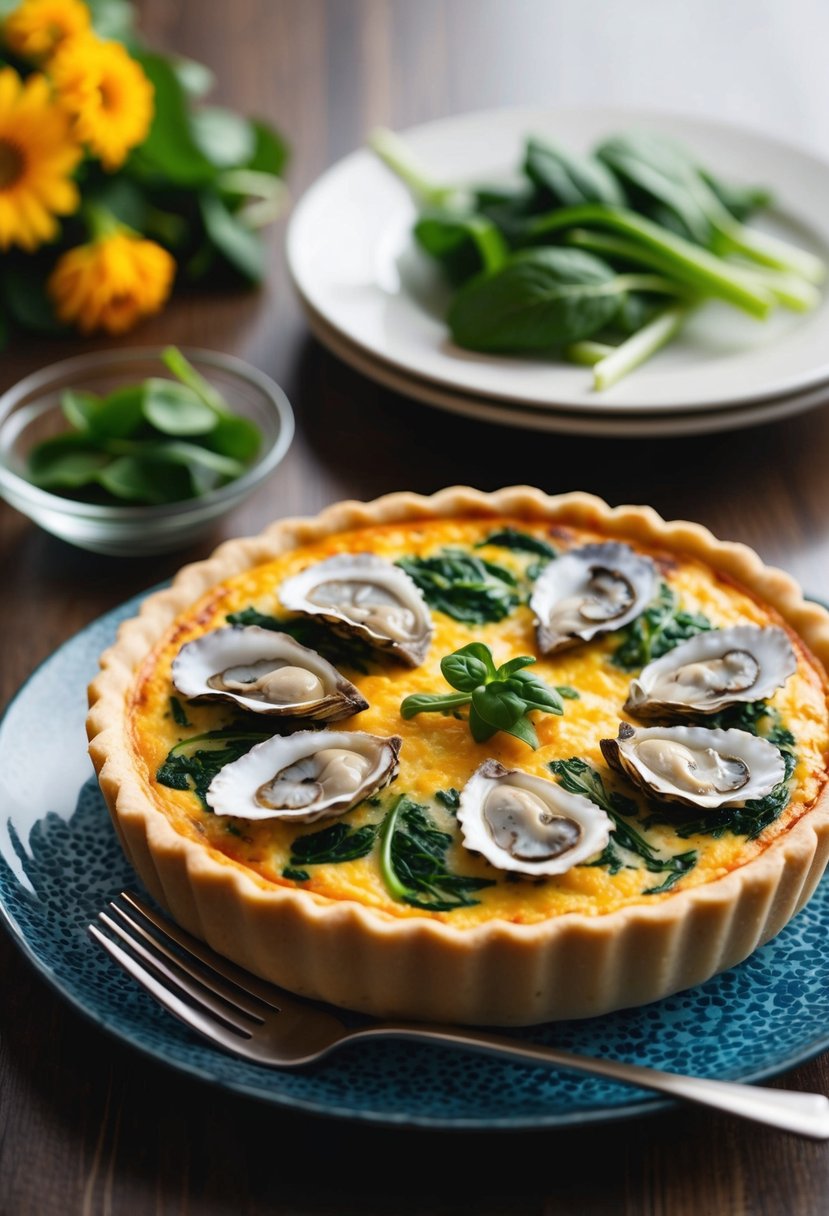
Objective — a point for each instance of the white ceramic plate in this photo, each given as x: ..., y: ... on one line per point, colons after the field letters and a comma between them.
x: 353, y: 260
x: 533, y: 418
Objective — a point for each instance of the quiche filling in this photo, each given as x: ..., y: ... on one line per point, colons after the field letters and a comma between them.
x: 594, y: 718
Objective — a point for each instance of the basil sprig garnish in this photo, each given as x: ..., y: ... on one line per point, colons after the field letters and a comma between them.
x: 498, y: 698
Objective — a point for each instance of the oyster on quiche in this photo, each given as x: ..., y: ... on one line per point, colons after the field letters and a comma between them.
x: 306, y: 776
x: 695, y: 766
x: 527, y: 824
x: 590, y: 591
x: 363, y: 595
x: 264, y: 672
x: 712, y: 671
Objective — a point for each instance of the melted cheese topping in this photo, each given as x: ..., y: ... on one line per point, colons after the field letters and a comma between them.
x: 439, y: 753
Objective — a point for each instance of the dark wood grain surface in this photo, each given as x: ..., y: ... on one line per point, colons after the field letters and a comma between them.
x: 86, y: 1124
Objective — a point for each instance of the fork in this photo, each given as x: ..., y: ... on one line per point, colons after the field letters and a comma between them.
x: 240, y: 1013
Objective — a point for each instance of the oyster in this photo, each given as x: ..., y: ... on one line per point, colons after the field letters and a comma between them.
x: 266, y: 672
x: 362, y: 594
x: 590, y: 591
x: 305, y: 776
x: 529, y: 825
x: 694, y: 765
x: 713, y: 670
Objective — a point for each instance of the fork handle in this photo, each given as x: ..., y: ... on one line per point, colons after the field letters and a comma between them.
x: 805, y: 1114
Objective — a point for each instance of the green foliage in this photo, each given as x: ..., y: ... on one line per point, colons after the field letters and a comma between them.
x: 464, y: 586
x: 661, y: 626
x: 193, y: 763
x: 333, y: 845
x: 413, y: 861
x: 662, y: 211
x: 497, y: 698
x: 519, y: 542
x: 577, y: 777
x: 350, y: 652
x: 156, y: 442
x: 540, y: 299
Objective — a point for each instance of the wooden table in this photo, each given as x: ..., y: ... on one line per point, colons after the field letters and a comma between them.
x: 86, y: 1124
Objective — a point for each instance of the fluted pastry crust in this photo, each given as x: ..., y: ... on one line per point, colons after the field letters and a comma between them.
x: 499, y: 972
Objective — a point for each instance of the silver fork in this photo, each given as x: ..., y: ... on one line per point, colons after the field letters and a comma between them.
x: 234, y: 1010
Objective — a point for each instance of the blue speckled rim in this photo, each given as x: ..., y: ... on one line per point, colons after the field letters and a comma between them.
x: 60, y: 862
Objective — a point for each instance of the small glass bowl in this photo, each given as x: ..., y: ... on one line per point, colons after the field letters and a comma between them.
x: 31, y: 412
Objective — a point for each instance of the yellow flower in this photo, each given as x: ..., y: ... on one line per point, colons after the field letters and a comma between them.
x: 106, y: 93
x: 37, y: 157
x: 36, y: 28
x: 111, y: 283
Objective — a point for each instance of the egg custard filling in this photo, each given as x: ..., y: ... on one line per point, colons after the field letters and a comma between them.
x: 441, y: 833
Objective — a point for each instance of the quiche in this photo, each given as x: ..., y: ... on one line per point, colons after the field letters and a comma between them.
x: 486, y: 758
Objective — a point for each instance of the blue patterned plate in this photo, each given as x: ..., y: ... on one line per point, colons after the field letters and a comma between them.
x: 60, y: 861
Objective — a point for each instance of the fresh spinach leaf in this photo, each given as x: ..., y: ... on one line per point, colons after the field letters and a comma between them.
x: 540, y: 299
x: 463, y: 245
x: 296, y: 875
x: 565, y: 179
x: 178, y: 712
x: 413, y: 861
x: 450, y: 798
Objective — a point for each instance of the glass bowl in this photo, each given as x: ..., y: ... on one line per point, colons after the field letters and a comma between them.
x: 31, y: 411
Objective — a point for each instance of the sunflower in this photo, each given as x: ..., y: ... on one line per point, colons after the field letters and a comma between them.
x: 106, y: 93
x: 112, y: 282
x: 37, y: 156
x: 36, y: 28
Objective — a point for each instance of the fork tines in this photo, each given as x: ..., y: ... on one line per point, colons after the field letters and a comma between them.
x: 189, y: 979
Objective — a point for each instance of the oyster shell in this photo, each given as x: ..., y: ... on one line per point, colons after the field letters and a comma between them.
x: 527, y: 824
x: 713, y: 670
x: 694, y: 765
x: 589, y: 591
x: 362, y: 594
x: 306, y: 776
x: 265, y: 672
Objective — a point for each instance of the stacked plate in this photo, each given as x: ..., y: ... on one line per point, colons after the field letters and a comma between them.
x: 378, y: 303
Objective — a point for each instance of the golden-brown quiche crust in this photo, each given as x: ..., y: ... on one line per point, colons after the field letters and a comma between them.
x: 496, y: 972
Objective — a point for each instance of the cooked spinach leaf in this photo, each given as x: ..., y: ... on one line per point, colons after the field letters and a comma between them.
x: 577, y: 777
x: 193, y: 763
x: 464, y: 586
x: 178, y: 712
x: 295, y: 875
x: 450, y: 798
x: 413, y: 861
x: 661, y: 626
x: 334, y: 844
x: 520, y: 542
x: 342, y: 652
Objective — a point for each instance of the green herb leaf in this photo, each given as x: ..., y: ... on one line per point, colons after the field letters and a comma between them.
x: 539, y: 300
x: 169, y: 154
x: 520, y: 542
x: 413, y: 861
x: 564, y: 179
x: 342, y: 652
x: 333, y: 845
x: 177, y: 710
x: 431, y: 703
x: 577, y: 777
x: 57, y: 465
x: 193, y: 763
x: 468, y: 667
x: 79, y: 408
x: 464, y: 245
x: 450, y: 798
x: 174, y: 409
x: 661, y: 626
x: 463, y: 586
x: 295, y: 875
